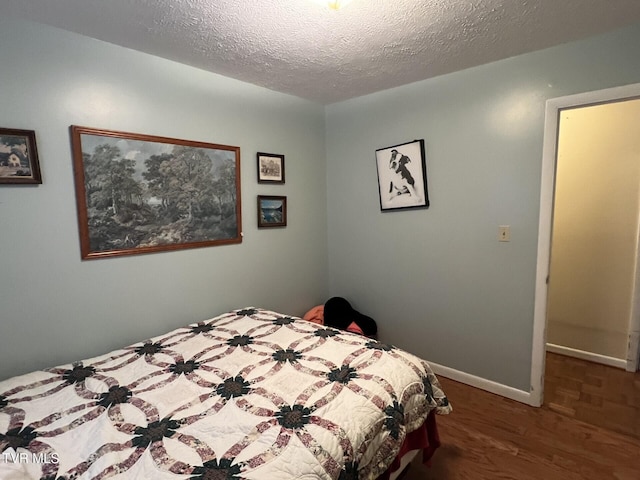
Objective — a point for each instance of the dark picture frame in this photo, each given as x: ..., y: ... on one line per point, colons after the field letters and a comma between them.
x: 402, y: 176
x: 272, y: 211
x: 140, y: 193
x: 270, y: 167
x: 19, y: 157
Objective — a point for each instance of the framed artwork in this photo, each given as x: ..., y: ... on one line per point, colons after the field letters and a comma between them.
x: 402, y: 176
x: 270, y: 168
x: 19, y: 157
x: 143, y: 194
x: 272, y: 211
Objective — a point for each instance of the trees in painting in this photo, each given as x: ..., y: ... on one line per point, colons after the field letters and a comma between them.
x: 183, y: 195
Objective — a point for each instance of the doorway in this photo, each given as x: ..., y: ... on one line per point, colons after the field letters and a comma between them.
x: 594, y: 237
x: 550, y: 168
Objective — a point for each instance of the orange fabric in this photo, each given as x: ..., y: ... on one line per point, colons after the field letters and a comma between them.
x: 315, y: 315
x: 354, y: 328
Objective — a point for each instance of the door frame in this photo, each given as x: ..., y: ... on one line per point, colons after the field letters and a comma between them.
x: 553, y: 108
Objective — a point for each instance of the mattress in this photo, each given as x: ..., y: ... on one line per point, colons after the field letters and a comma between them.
x: 249, y: 394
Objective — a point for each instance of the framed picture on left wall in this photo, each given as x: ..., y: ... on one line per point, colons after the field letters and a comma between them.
x: 270, y: 168
x: 19, y: 157
x: 272, y: 211
x: 143, y: 194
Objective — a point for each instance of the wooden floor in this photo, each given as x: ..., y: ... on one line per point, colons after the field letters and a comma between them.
x: 488, y: 437
x: 605, y: 396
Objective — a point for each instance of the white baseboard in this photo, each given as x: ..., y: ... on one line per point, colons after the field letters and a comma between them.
x: 483, y: 384
x: 591, y: 357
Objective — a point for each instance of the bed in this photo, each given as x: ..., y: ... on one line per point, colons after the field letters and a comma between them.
x: 249, y: 394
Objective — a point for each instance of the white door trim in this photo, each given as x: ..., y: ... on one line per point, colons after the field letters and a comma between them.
x: 547, y: 186
x: 633, y: 349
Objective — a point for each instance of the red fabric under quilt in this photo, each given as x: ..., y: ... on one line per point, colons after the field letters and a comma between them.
x: 424, y: 438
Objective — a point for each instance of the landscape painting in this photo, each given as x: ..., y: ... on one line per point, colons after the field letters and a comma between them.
x: 142, y: 194
x: 272, y: 211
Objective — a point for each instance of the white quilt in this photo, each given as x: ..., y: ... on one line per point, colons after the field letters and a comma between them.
x: 251, y: 394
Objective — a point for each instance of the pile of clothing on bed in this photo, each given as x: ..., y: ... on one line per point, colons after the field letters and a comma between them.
x: 337, y: 312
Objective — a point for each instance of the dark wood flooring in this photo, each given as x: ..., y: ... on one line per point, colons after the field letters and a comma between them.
x: 488, y: 437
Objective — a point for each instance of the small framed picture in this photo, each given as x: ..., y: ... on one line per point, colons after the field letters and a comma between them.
x: 402, y: 176
x: 270, y: 168
x: 272, y: 211
x: 19, y: 157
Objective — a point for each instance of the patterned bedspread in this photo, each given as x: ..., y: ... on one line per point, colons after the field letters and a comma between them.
x: 251, y: 394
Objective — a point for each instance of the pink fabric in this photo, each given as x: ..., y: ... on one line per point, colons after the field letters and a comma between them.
x: 315, y: 315
x: 354, y: 328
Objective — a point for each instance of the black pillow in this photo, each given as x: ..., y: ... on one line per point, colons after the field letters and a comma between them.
x: 339, y: 313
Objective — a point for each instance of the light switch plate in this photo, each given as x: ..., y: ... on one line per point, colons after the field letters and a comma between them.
x: 504, y: 233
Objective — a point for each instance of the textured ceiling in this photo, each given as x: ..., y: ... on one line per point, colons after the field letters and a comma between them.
x: 300, y: 48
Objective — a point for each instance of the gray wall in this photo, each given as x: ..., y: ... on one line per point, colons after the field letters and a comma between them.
x: 55, y: 308
x: 438, y: 281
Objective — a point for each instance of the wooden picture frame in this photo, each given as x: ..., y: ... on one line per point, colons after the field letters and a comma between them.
x: 272, y: 211
x: 142, y: 194
x: 19, y: 163
x: 402, y: 176
x: 270, y: 168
